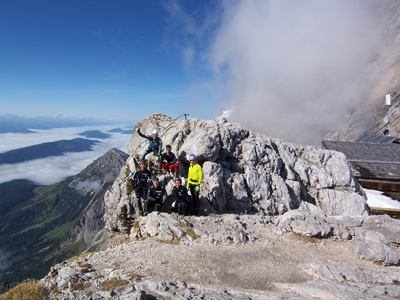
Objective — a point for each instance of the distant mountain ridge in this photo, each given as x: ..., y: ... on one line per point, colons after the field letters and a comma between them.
x: 46, y: 149
x: 123, y: 131
x: 20, y: 124
x: 89, y: 234
x: 95, y: 134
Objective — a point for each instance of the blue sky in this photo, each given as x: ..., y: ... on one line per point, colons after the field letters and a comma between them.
x: 289, y: 69
x: 107, y: 59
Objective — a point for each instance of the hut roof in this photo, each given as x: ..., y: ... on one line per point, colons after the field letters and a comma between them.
x: 370, y: 161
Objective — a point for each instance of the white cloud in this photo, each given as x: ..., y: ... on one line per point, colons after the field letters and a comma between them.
x: 290, y: 69
x: 295, y: 67
x: 56, y: 168
x: 6, y: 261
x: 88, y: 186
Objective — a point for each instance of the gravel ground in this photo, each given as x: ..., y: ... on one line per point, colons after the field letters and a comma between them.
x: 258, y: 265
x: 250, y: 259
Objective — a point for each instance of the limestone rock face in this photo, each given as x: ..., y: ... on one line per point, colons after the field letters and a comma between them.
x: 370, y: 245
x: 244, y: 172
x: 375, y: 238
x: 304, y: 223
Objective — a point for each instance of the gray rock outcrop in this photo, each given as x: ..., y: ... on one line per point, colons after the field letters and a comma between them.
x: 173, y: 228
x: 370, y: 245
x: 244, y: 172
x: 375, y: 238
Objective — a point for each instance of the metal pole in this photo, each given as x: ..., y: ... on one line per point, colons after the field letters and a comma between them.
x: 389, y: 122
x: 388, y: 101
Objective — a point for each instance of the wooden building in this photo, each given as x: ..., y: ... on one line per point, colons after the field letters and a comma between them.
x: 375, y: 165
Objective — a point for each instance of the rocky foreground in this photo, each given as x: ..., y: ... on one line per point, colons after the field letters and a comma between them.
x: 294, y: 256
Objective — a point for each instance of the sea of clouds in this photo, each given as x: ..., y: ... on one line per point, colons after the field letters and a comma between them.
x: 53, y: 169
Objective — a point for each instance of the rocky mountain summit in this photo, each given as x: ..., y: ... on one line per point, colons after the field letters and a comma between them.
x: 280, y: 221
x: 244, y: 172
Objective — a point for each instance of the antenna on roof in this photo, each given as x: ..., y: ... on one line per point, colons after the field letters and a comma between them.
x: 388, y: 102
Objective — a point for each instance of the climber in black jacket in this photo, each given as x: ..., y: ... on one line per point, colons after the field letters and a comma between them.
x: 181, y: 199
x: 156, y: 196
x: 140, y: 183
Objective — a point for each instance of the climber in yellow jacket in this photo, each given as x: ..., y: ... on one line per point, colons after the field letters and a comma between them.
x: 194, y: 180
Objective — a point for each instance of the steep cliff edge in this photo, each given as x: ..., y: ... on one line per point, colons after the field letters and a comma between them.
x: 89, y: 234
x: 51, y: 223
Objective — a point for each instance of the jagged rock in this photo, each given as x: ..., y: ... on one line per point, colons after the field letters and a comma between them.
x: 305, y: 223
x: 372, y: 245
x: 340, y: 229
x: 378, y: 243
x: 339, y: 203
x: 243, y: 172
x: 387, y: 226
x: 67, y: 272
x: 118, y: 200
x: 167, y: 227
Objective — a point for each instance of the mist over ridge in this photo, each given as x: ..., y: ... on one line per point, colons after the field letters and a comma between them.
x: 295, y: 69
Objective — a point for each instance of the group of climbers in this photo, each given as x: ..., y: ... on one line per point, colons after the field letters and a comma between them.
x: 155, y: 146
x: 151, y: 198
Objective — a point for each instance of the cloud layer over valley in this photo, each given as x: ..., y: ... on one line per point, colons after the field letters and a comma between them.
x: 54, y: 169
x: 6, y: 261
